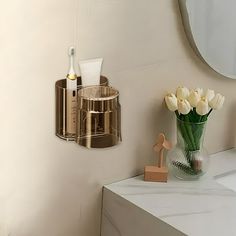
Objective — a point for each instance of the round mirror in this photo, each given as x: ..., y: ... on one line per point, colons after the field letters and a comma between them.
x: 211, y: 28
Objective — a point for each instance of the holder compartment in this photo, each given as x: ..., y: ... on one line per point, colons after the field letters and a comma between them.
x: 64, y: 127
x: 98, y: 117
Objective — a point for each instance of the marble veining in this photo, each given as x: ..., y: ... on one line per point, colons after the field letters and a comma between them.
x: 196, y: 208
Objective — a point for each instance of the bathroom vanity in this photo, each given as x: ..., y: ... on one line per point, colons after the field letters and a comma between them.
x: 205, y: 207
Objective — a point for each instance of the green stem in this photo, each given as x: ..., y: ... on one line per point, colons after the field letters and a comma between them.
x: 190, y: 133
x: 184, y: 133
x: 197, y: 116
x: 209, y: 112
x: 177, y: 114
x: 204, y: 118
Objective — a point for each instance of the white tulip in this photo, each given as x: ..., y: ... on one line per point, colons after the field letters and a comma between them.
x: 200, y: 91
x: 209, y: 94
x: 202, y: 107
x: 194, y: 98
x: 171, y: 102
x: 182, y: 92
x: 217, y: 102
x: 184, y: 106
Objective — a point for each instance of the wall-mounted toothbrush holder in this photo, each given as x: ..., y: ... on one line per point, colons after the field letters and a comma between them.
x: 94, y: 119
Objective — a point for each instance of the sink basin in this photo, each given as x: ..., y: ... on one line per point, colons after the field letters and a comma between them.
x: 227, y: 179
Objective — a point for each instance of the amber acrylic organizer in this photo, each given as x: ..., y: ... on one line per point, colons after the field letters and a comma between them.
x: 98, y: 114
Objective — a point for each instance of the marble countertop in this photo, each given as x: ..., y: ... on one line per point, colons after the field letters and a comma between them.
x: 196, y: 208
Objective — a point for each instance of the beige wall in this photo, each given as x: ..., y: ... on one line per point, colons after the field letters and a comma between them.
x: 53, y: 188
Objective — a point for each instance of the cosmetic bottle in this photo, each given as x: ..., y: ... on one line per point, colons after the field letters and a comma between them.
x: 90, y: 71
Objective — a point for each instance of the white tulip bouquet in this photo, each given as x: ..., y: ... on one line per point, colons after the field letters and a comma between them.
x: 195, y: 105
x: 192, y: 109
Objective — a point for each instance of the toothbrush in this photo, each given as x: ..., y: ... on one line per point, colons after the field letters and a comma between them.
x: 71, y: 78
x: 71, y: 85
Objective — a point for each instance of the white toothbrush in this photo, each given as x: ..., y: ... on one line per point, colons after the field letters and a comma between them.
x: 71, y: 85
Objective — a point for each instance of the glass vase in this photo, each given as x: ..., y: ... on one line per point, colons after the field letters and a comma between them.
x: 189, y: 160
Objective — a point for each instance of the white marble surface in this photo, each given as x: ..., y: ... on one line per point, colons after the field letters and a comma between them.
x: 133, y: 207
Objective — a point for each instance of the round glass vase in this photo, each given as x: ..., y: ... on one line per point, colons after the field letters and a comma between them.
x: 189, y: 160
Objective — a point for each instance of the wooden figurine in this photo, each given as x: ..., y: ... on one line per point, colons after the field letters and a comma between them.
x: 159, y: 172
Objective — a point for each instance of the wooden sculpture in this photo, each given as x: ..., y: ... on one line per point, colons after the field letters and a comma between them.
x: 159, y: 172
